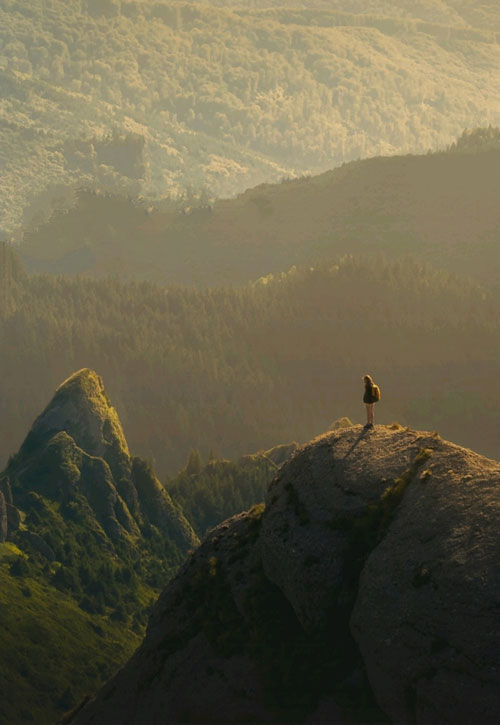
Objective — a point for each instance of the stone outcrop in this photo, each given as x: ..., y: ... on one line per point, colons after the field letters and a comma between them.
x: 6, y: 490
x: 192, y: 666
x: 3, y: 518
x: 312, y: 505
x: 369, y: 581
x: 76, y: 455
x: 426, y: 614
x: 82, y: 409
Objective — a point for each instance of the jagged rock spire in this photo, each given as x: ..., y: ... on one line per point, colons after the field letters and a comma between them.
x: 82, y: 409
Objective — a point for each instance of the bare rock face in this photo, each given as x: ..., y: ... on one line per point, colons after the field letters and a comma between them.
x: 372, y: 572
x: 76, y: 455
x: 6, y: 490
x: 82, y: 409
x: 327, y: 486
x: 427, y: 613
x: 3, y: 518
x: 192, y: 666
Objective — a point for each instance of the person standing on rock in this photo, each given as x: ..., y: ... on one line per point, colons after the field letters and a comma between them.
x: 371, y: 396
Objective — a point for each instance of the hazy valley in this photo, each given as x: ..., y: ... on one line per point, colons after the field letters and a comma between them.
x: 215, y: 219
x: 155, y: 98
x: 440, y: 208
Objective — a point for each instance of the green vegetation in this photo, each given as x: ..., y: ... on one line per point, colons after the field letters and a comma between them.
x: 74, y: 591
x: 238, y: 370
x: 90, y: 544
x: 53, y: 652
x: 220, y: 489
x: 157, y: 97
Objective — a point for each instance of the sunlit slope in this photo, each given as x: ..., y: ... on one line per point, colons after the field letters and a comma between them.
x: 87, y: 538
x: 199, y: 95
x: 53, y: 652
x: 442, y: 208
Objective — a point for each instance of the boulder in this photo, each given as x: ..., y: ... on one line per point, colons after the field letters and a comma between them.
x: 368, y: 589
x: 192, y: 666
x: 426, y: 616
x: 311, y: 506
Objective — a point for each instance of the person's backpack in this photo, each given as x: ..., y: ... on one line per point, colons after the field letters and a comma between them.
x: 375, y: 393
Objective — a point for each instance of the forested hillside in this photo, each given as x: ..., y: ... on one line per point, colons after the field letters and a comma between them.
x: 156, y: 97
x: 242, y: 370
x: 460, y: 13
x: 88, y: 537
x: 211, y: 493
x: 440, y: 207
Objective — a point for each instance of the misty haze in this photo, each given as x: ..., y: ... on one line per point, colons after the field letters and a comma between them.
x: 215, y: 219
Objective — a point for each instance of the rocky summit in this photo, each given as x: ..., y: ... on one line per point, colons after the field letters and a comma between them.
x: 82, y: 409
x: 75, y: 458
x: 366, y: 590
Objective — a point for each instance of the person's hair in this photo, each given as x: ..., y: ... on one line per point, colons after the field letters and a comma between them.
x: 368, y: 379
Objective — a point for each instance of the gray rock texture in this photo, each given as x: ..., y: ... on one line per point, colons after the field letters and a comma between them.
x: 373, y: 571
x: 327, y: 484
x: 192, y: 666
x: 427, y: 613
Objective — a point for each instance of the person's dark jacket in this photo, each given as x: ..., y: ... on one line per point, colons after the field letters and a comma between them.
x: 368, y: 397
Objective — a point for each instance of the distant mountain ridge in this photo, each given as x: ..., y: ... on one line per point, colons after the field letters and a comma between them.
x: 366, y: 590
x: 156, y: 98
x: 441, y: 208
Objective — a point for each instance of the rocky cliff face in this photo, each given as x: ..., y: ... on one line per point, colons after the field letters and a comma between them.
x: 76, y: 455
x: 3, y: 518
x: 81, y: 408
x: 367, y: 589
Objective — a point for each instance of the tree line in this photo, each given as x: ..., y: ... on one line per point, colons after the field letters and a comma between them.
x: 238, y: 370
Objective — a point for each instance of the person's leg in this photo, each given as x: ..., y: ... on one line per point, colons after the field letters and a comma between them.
x: 368, y: 406
x: 371, y: 414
